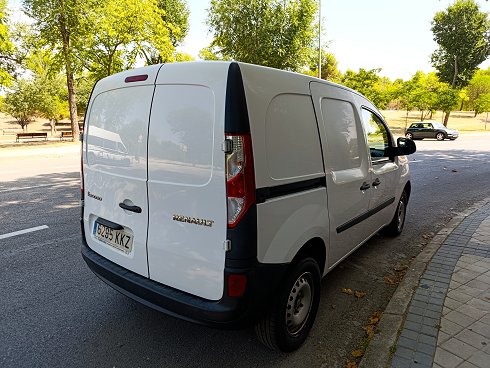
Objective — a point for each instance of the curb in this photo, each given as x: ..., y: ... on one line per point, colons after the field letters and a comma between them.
x: 379, y: 351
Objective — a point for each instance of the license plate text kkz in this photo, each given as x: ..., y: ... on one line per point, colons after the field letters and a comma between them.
x: 114, y: 236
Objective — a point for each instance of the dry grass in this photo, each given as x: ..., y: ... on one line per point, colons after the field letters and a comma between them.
x: 9, y: 126
x: 464, y: 121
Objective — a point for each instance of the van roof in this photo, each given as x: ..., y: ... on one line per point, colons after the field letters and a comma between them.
x: 149, y: 75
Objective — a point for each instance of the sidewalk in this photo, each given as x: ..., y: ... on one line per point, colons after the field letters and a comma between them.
x: 439, y: 315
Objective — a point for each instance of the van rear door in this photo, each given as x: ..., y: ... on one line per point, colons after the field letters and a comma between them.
x: 186, y: 179
x: 115, y: 168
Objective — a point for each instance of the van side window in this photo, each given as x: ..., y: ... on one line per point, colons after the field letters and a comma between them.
x: 293, y: 143
x: 377, y: 135
x: 343, y: 141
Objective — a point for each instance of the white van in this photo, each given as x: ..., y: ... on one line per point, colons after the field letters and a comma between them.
x: 244, y: 185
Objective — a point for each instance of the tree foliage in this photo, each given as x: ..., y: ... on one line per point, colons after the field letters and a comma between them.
x: 463, y: 35
x: 21, y: 103
x: 6, y: 47
x: 275, y: 33
x: 368, y: 82
x: 479, y: 84
x: 120, y: 31
x: 176, y: 16
x: 482, y: 103
x: 330, y: 64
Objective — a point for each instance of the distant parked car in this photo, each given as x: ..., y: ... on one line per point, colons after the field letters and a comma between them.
x: 430, y: 129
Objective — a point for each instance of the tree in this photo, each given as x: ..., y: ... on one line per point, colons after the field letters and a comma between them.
x: 63, y: 25
x: 330, y: 64
x: 176, y: 17
x: 120, y: 31
x: 370, y: 84
x: 423, y: 93
x: 6, y: 47
x: 275, y: 33
x: 21, y: 102
x: 482, y: 104
x: 463, y: 35
x: 479, y: 84
x: 212, y: 53
x: 447, y: 99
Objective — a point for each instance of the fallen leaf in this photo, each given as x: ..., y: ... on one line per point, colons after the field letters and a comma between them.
x: 357, y: 353
x: 351, y: 365
x: 389, y: 281
x: 359, y: 294
x: 369, y: 330
x: 347, y: 291
x: 400, y: 268
x: 374, y: 319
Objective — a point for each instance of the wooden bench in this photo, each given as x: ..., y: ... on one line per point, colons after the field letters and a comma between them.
x: 66, y: 135
x: 31, y: 136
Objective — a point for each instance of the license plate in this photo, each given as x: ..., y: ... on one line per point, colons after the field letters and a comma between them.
x: 118, y: 239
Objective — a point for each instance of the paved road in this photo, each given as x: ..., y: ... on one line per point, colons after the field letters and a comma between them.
x: 55, y: 313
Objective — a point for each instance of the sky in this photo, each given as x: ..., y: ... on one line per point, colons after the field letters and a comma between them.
x: 393, y: 35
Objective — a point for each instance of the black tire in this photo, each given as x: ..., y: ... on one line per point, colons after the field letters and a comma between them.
x: 289, y: 320
x: 395, y: 227
x: 440, y: 136
x: 409, y: 135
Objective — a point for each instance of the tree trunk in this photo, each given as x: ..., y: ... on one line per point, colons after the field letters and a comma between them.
x: 455, y: 72
x: 446, y: 118
x: 431, y: 113
x: 70, y: 82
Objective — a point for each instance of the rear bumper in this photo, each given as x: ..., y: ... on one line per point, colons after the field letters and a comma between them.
x: 262, y: 283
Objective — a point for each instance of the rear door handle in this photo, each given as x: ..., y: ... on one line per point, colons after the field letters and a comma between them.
x: 130, y: 208
x: 365, y: 186
x: 376, y: 182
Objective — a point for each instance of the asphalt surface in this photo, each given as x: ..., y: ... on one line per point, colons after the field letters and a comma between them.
x: 55, y: 313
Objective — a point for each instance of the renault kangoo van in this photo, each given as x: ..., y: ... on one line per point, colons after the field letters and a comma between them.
x: 222, y: 192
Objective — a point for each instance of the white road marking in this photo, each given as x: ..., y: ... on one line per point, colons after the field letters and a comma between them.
x: 21, y: 232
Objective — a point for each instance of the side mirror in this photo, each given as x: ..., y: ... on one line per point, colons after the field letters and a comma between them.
x: 404, y: 147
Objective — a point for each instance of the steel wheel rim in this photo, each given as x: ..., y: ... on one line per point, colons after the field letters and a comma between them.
x: 400, y: 215
x: 299, y: 304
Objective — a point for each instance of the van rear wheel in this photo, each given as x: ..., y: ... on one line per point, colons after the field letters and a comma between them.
x: 288, y: 322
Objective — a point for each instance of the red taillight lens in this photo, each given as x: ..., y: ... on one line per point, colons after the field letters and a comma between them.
x: 237, y: 285
x: 240, y: 183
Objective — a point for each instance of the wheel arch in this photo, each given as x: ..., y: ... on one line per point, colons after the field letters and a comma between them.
x: 408, y: 189
x: 314, y: 248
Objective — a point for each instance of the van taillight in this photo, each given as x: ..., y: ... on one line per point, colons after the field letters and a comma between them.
x: 240, y: 183
x: 136, y: 78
